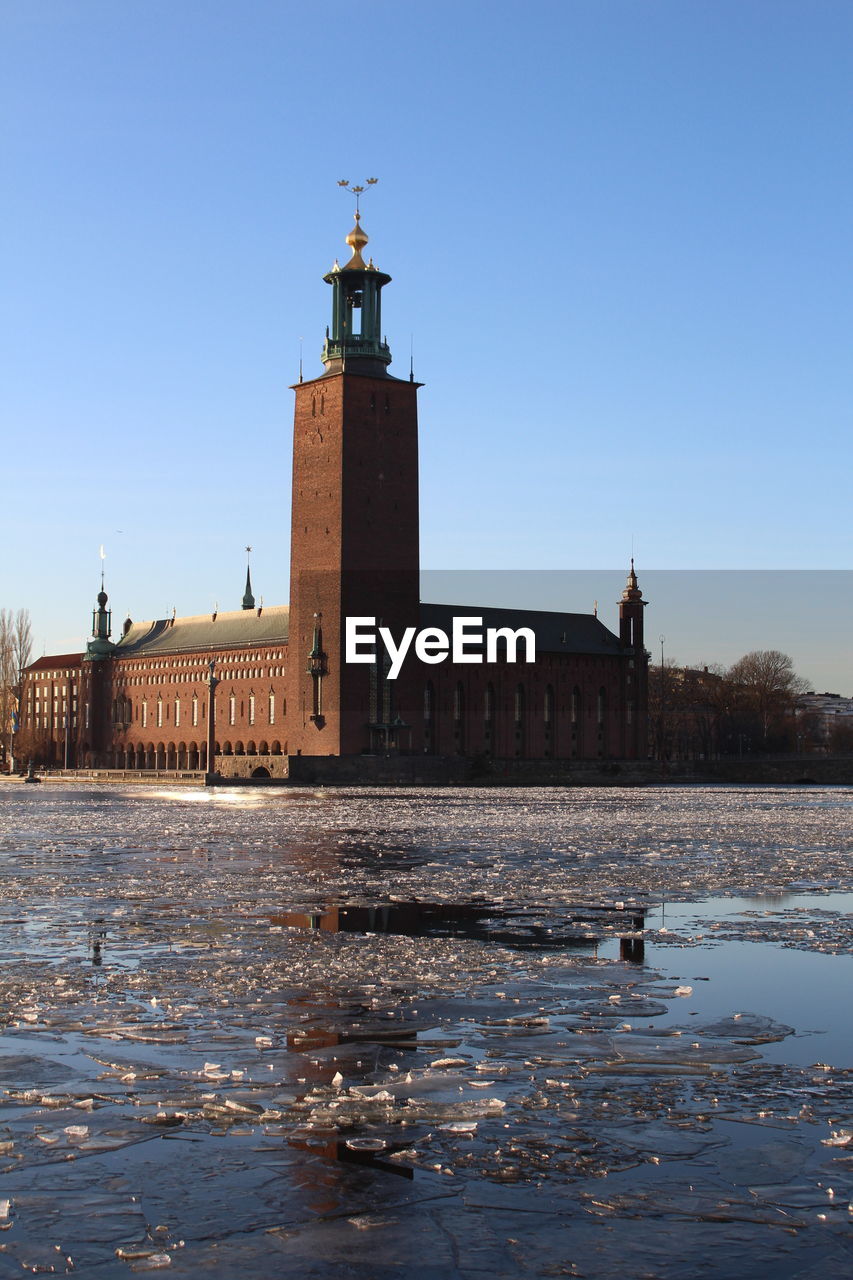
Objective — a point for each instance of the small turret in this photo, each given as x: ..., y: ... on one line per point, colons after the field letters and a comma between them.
x: 355, y: 333
x: 100, y: 645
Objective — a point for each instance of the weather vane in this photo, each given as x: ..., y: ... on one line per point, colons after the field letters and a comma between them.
x: 357, y: 191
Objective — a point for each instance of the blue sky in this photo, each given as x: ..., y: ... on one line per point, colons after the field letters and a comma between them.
x: 619, y: 233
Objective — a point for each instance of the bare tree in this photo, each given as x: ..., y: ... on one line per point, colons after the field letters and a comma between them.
x: 702, y: 712
x: 8, y: 680
x: 763, y: 689
x: 16, y: 644
x: 23, y: 641
x: 684, y: 711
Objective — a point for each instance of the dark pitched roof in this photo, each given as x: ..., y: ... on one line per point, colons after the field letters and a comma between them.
x: 206, y: 632
x: 47, y: 663
x: 555, y: 632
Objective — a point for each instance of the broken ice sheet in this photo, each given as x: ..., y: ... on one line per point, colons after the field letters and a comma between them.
x: 190, y: 972
x: 743, y: 1028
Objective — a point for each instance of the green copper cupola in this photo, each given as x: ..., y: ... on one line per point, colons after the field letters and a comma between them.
x: 100, y: 646
x: 354, y: 339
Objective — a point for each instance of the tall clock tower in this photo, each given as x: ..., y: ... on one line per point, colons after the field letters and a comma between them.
x: 354, y: 534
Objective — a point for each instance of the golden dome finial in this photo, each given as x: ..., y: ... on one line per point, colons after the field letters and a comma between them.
x: 357, y: 238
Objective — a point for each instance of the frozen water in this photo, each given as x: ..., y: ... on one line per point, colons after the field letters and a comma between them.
x: 426, y: 1032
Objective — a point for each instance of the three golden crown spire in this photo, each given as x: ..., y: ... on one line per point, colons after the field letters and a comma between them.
x: 357, y: 238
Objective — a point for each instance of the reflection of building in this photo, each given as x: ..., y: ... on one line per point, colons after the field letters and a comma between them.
x: 284, y: 691
x: 515, y: 927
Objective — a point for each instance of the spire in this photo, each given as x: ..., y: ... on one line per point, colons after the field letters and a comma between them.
x: 356, y: 329
x: 632, y: 591
x: 248, y: 598
x: 631, y: 608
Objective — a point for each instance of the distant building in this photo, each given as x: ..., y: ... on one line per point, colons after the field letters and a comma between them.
x: 832, y: 712
x: 284, y: 694
x: 49, y: 723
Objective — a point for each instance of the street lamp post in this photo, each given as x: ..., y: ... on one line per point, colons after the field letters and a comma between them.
x: 662, y: 699
x: 212, y: 682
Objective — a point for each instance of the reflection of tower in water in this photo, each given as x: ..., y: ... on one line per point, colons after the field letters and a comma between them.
x: 339, y: 1036
x: 360, y: 1051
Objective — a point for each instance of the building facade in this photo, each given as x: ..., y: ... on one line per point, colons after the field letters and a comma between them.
x: 256, y: 690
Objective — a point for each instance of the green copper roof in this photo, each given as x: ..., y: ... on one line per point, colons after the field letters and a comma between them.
x: 206, y: 632
x: 100, y: 646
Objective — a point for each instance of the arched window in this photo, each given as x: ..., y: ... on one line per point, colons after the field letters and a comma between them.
x: 459, y: 728
x: 489, y: 704
x: 520, y: 720
x: 271, y: 708
x: 576, y: 706
x: 177, y: 711
x: 602, y: 705
x: 195, y: 708
x: 549, y: 705
x: 429, y: 700
x: 232, y: 709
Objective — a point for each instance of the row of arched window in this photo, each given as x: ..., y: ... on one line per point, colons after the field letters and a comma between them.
x: 519, y: 704
x: 192, y: 677
x: 159, y: 710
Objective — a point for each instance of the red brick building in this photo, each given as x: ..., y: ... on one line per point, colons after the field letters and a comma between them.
x: 283, y: 692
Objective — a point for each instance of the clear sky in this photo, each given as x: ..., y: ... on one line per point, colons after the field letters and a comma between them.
x: 619, y: 233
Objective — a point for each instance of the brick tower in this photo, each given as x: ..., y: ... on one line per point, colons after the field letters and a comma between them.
x: 354, y: 527
x: 95, y: 683
x: 636, y: 674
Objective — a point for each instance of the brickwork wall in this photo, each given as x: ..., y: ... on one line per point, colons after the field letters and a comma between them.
x: 151, y: 701
x: 560, y: 711
x: 354, y: 543
x: 145, y: 728
x: 52, y: 690
x: 251, y: 766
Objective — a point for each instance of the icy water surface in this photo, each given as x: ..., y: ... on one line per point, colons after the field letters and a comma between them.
x: 426, y: 1033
